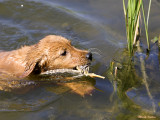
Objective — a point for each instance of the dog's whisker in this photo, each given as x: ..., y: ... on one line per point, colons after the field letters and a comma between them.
x: 92, y: 49
x: 95, y: 51
x: 98, y: 52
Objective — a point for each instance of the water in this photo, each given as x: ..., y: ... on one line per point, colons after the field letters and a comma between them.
x: 88, y: 24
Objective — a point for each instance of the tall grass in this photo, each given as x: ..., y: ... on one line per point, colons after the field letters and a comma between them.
x: 132, y: 18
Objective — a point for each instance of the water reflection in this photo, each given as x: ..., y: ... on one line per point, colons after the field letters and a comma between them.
x: 81, y: 86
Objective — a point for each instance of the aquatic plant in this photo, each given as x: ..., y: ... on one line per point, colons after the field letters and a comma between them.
x: 132, y: 17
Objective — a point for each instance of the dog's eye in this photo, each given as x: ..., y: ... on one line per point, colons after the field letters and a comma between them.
x: 64, y: 53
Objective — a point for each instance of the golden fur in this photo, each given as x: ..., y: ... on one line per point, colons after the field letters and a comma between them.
x: 52, y: 52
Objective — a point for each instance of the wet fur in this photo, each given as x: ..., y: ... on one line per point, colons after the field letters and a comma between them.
x: 43, y: 56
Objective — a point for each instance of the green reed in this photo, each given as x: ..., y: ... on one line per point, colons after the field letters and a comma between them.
x: 132, y: 18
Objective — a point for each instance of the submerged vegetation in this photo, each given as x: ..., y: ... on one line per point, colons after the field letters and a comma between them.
x: 132, y: 17
x: 135, y: 71
x: 126, y: 79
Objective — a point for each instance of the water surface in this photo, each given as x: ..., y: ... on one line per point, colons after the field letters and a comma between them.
x: 88, y: 24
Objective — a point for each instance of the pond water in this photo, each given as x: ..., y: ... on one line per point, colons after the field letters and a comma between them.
x: 97, y: 25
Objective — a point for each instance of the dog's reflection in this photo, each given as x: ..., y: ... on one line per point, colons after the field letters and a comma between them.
x: 81, y: 86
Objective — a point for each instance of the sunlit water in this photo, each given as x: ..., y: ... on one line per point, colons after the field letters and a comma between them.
x: 97, y: 25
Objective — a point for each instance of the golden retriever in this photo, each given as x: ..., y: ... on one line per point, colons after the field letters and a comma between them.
x: 52, y: 52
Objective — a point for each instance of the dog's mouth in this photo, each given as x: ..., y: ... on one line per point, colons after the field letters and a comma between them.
x: 80, y: 69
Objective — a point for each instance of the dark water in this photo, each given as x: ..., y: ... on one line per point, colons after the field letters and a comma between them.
x: 96, y: 24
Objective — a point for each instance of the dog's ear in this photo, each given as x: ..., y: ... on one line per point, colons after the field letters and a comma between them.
x: 34, y: 56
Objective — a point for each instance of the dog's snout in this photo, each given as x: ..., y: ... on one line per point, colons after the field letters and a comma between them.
x: 89, y: 56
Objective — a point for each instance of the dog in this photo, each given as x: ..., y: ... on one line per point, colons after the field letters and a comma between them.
x: 51, y: 52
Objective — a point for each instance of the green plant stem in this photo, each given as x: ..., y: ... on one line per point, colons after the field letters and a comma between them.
x: 146, y: 27
x: 132, y: 14
x: 149, y: 11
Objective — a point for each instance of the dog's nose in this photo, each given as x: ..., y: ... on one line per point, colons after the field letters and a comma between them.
x: 89, y: 56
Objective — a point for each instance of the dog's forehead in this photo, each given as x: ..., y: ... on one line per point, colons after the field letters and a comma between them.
x: 55, y: 38
x: 55, y: 42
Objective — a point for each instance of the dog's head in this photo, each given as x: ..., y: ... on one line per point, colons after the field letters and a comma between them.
x: 54, y: 52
